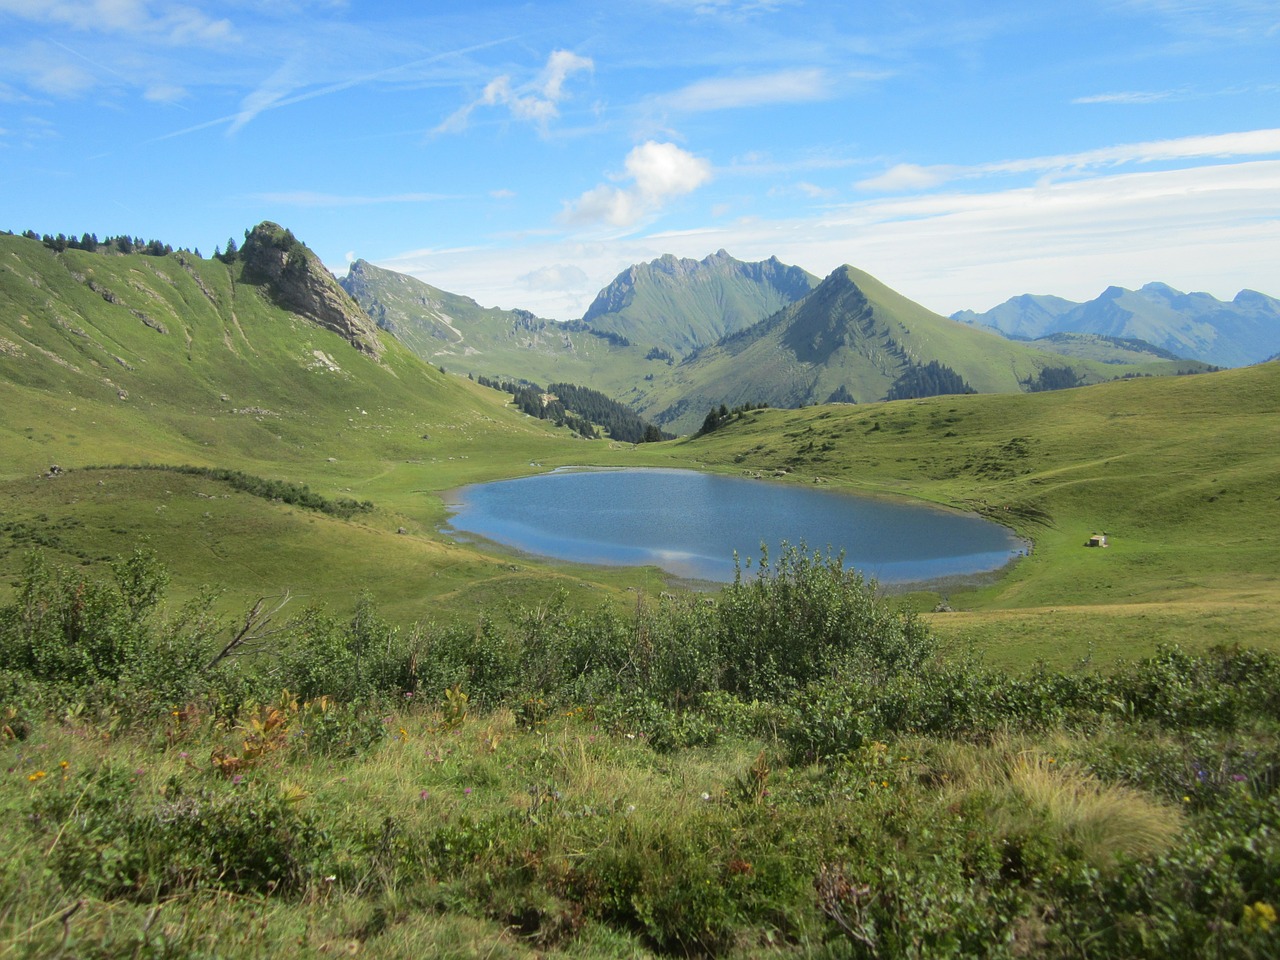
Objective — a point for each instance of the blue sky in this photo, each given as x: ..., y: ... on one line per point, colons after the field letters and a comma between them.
x: 525, y: 153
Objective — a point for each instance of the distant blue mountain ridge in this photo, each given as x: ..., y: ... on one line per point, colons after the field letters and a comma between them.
x: 1198, y: 326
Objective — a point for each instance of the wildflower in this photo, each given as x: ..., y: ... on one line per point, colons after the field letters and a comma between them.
x: 424, y: 794
x: 466, y: 791
x: 238, y: 778
x: 706, y: 797
x: 404, y: 734
x: 139, y: 772
x: 1238, y: 777
x: 1259, y: 916
x: 38, y: 775
x: 64, y: 764
x: 1186, y: 799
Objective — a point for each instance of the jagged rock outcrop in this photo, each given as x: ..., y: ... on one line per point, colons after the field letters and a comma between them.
x: 297, y: 281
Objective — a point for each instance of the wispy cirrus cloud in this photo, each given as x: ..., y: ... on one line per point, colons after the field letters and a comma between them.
x: 1128, y: 97
x: 906, y: 176
x: 165, y: 93
x: 274, y: 93
x: 728, y: 8
x: 726, y: 93
x: 1208, y: 20
x: 537, y: 101
x: 176, y: 24
x: 659, y: 173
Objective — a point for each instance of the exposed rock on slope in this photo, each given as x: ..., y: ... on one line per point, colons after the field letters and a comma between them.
x: 297, y: 281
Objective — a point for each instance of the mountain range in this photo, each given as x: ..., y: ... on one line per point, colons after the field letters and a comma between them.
x: 680, y: 305
x: 1195, y: 325
x: 671, y: 339
x: 674, y: 337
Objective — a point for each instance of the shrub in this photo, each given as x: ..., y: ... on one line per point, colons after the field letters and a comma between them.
x: 809, y: 618
x: 109, y: 838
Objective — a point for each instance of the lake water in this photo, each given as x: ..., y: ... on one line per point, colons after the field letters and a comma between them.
x: 690, y: 524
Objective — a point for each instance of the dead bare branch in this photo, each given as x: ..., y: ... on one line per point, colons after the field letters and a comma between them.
x: 255, y: 630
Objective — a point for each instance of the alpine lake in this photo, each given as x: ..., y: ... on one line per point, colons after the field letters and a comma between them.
x: 705, y: 527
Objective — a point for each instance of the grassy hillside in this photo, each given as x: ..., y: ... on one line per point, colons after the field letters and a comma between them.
x: 1180, y: 472
x: 450, y: 330
x: 125, y: 360
x: 1096, y: 346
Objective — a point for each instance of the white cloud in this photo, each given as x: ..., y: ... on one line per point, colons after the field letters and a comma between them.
x: 813, y: 191
x: 1214, y: 227
x: 59, y: 79
x: 908, y: 176
x: 270, y: 93
x: 560, y: 65
x: 728, y: 8
x: 556, y: 278
x: 905, y: 177
x: 1127, y: 97
x: 660, y: 173
x: 169, y: 23
x: 1210, y: 20
x: 165, y: 93
x: 536, y: 102
x: 722, y: 93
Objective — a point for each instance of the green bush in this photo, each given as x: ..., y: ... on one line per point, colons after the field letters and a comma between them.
x: 109, y: 837
x: 806, y: 619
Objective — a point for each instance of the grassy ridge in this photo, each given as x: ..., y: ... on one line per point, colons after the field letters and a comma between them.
x: 234, y: 383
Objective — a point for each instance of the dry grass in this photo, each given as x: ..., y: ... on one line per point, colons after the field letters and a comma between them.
x: 1027, y: 789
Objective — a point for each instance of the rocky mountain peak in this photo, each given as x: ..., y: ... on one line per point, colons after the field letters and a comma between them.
x: 296, y: 280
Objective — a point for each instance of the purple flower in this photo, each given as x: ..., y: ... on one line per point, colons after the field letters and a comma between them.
x: 466, y: 790
x: 238, y: 778
x: 423, y: 795
x: 1237, y: 777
